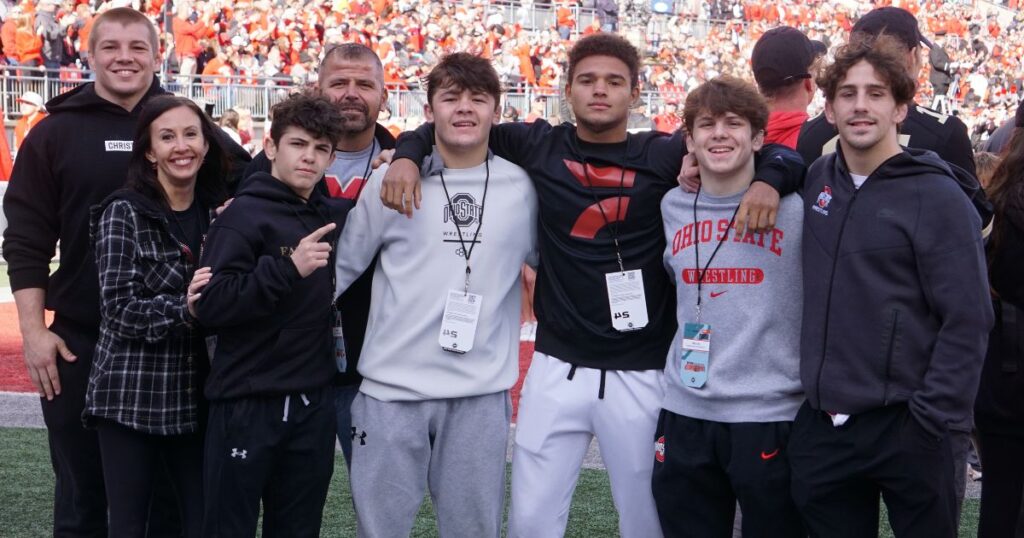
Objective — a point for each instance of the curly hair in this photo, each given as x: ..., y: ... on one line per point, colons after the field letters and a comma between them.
x: 885, y: 53
x: 725, y: 94
x: 309, y: 112
x: 604, y: 44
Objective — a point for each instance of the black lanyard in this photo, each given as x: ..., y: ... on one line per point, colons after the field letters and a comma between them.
x: 613, y: 230
x: 696, y: 248
x: 467, y: 253
x: 369, y: 161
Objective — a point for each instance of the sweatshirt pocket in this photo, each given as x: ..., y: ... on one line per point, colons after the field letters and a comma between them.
x: 890, y: 347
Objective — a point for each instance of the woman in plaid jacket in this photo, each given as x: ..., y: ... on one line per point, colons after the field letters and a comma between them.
x: 145, y: 387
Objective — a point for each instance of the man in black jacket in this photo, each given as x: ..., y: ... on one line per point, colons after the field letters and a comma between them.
x: 70, y: 161
x: 896, y: 314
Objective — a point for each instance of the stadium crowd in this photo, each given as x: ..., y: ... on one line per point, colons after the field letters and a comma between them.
x: 254, y: 39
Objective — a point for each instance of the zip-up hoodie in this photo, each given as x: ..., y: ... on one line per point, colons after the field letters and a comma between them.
x: 71, y: 161
x: 896, y: 305
x: 273, y: 326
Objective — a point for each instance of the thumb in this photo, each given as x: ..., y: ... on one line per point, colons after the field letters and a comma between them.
x: 62, y: 348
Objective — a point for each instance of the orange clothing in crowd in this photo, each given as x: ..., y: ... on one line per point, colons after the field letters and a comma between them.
x: 23, y: 126
x: 83, y: 34
x: 8, y: 41
x: 186, y: 36
x: 28, y: 46
x: 6, y: 163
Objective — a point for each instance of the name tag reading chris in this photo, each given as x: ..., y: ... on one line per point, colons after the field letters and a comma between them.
x: 458, y: 324
x: 627, y: 300
x: 118, y: 145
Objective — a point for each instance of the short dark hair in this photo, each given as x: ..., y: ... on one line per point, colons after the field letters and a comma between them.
x: 722, y: 95
x: 309, y: 112
x: 123, y: 16
x: 604, y: 44
x: 211, y: 182
x: 352, y: 51
x: 885, y: 53
x: 464, y: 71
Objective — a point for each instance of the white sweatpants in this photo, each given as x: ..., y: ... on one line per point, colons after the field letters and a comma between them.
x: 558, y: 417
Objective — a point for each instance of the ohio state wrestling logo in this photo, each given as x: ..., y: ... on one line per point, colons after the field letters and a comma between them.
x: 463, y: 210
x: 659, y: 449
x: 824, y: 199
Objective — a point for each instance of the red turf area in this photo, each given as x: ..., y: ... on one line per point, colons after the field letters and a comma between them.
x: 14, y: 378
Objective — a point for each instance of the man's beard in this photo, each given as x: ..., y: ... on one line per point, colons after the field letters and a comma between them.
x: 355, y: 118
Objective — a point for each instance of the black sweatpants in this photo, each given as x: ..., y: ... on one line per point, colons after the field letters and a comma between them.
x: 838, y: 473
x: 1002, y: 460
x: 702, y: 468
x: 278, y: 449
x: 79, y: 498
x: 132, y: 462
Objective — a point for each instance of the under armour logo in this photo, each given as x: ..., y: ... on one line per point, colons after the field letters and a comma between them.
x: 360, y: 434
x: 235, y: 453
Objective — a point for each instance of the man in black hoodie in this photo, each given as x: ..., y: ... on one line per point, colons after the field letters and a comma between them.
x: 70, y: 161
x: 896, y: 314
x: 272, y: 421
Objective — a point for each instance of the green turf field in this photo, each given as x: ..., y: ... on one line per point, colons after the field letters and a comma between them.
x: 26, y: 489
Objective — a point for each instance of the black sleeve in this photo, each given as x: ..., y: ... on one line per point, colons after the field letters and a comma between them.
x: 958, y: 149
x: 239, y: 159
x: 514, y: 142
x: 780, y: 167
x: 31, y: 205
x: 245, y: 285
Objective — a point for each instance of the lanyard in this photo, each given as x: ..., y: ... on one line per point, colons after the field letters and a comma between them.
x: 369, y: 161
x: 190, y: 256
x: 696, y: 248
x: 613, y: 230
x: 467, y: 253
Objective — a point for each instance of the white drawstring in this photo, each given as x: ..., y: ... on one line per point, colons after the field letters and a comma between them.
x: 287, y: 401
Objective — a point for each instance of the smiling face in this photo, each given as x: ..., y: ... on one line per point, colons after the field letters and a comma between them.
x: 600, y: 95
x: 462, y: 118
x: 177, y: 147
x: 124, y: 60
x: 299, y: 159
x: 723, y: 145
x: 864, y: 110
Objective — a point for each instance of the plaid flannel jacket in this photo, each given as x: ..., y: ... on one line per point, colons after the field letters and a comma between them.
x: 150, y: 364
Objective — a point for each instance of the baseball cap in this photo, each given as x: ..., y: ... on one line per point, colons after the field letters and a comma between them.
x: 783, y: 55
x: 893, y: 21
x: 31, y: 98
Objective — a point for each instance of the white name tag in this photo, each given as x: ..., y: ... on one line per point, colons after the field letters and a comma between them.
x: 627, y: 300
x: 458, y: 325
x: 119, y: 145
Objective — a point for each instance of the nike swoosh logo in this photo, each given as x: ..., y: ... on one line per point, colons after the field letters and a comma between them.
x: 769, y: 455
x: 717, y: 293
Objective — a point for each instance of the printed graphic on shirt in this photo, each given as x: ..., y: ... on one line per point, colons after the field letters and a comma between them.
x: 118, y: 145
x: 608, y: 210
x: 709, y: 232
x: 824, y: 199
x: 348, y: 190
x: 464, y: 212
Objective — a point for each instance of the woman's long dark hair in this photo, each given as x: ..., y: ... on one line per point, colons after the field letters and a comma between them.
x: 211, y: 182
x: 1007, y: 187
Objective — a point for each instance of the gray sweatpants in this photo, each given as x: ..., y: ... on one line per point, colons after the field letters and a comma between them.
x: 456, y: 446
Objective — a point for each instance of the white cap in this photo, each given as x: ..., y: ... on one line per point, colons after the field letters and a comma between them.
x: 32, y: 98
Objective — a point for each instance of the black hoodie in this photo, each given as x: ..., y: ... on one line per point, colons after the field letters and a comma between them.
x: 71, y: 161
x: 273, y: 326
x: 896, y: 301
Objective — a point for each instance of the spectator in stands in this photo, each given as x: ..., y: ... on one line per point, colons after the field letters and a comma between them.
x: 229, y: 123
x: 8, y: 36
x: 32, y: 112
x: 28, y: 49
x: 51, y: 33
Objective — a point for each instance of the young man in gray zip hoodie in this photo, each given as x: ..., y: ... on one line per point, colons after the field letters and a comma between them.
x: 732, y: 374
x: 896, y: 313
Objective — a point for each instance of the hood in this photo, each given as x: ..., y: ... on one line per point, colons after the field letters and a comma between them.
x: 266, y: 186
x: 142, y: 204
x: 84, y: 97
x: 922, y: 161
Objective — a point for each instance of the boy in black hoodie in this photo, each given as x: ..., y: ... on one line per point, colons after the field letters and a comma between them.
x: 271, y: 426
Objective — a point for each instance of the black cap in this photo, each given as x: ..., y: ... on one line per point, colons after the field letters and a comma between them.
x: 783, y: 55
x: 893, y: 21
